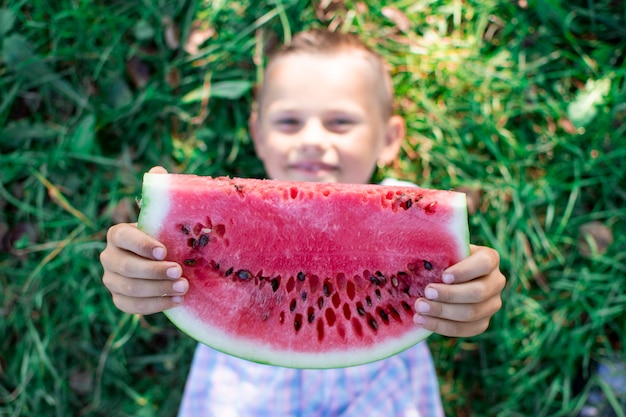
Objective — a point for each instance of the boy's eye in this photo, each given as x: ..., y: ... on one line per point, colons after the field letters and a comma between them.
x: 340, y: 123
x: 287, y: 122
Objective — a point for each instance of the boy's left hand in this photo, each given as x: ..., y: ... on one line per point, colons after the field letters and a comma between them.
x: 463, y: 305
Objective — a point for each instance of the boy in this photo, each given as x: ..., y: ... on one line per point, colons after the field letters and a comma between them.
x: 324, y: 114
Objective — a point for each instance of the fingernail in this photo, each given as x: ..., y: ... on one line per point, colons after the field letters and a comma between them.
x: 177, y: 299
x: 448, y: 278
x: 158, y: 253
x: 431, y: 293
x: 419, y: 320
x: 173, y: 272
x: 423, y: 307
x: 180, y: 286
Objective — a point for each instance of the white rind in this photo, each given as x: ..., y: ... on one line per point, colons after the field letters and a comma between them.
x: 185, y: 320
x: 156, y: 186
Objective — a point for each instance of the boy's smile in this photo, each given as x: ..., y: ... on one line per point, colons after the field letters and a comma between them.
x: 320, y: 119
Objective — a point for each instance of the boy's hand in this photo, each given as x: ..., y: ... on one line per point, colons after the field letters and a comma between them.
x: 135, y: 273
x: 463, y: 305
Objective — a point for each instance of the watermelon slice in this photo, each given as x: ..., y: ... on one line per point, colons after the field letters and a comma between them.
x: 307, y: 275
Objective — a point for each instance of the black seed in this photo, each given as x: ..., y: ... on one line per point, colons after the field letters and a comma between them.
x: 326, y: 289
x: 360, y: 309
x: 265, y: 316
x: 378, y: 295
x: 204, y: 239
x: 373, y: 324
x: 375, y: 280
x: 275, y: 284
x: 244, y: 275
x: 402, y: 274
x: 304, y: 295
x: 428, y: 265
x: 189, y: 262
x: 407, y: 307
x: 297, y: 322
x: 368, y: 301
x: 292, y: 306
x: 407, y: 290
x: 320, y: 302
x: 311, y: 317
x: 192, y: 243
x: 383, y: 315
x: 301, y: 276
x: 228, y: 271
x: 185, y: 229
x: 408, y: 204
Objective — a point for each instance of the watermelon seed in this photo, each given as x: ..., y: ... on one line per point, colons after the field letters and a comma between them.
x: 378, y: 295
x: 228, y: 271
x: 275, y: 284
x: 301, y: 276
x: 407, y: 204
x: 304, y: 295
x: 292, y: 306
x: 428, y: 265
x: 204, y: 239
x: 394, y: 313
x: 311, y: 315
x: 407, y: 307
x: 373, y: 324
x: 192, y: 243
x: 368, y: 301
x: 281, y: 317
x: 383, y: 315
x: 265, y: 316
x: 375, y: 280
x: 244, y: 275
x: 360, y: 309
x: 189, y: 262
x: 327, y: 288
x: 320, y: 302
x: 394, y: 281
x: 185, y: 229
x: 297, y: 322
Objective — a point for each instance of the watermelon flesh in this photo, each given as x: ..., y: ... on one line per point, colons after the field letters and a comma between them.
x: 307, y: 275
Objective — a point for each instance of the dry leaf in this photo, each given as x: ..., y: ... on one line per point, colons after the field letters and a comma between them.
x: 172, y: 33
x: 196, y: 38
x: 138, y: 71
x: 595, y: 238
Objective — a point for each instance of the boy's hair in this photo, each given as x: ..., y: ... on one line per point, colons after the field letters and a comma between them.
x: 323, y: 41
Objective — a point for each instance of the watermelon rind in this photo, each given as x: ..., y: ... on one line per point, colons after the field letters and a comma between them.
x: 156, y: 197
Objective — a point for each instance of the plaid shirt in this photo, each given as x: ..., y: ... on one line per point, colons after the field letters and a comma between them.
x: 220, y: 385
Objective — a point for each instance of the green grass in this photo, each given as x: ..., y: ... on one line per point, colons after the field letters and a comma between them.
x: 524, y: 106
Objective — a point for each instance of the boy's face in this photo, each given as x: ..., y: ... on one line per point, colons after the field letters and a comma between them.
x: 321, y: 119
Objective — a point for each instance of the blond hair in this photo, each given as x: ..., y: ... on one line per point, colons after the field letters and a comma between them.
x: 323, y: 41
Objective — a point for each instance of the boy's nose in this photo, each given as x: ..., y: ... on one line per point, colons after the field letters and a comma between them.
x: 314, y: 134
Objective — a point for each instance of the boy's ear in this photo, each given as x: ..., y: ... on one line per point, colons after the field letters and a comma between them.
x: 394, y: 136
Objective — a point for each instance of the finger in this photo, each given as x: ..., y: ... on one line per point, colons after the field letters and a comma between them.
x: 143, y: 288
x: 482, y: 260
x: 463, y: 313
x: 451, y: 328
x: 128, y: 237
x: 475, y: 291
x: 152, y: 305
x: 158, y: 170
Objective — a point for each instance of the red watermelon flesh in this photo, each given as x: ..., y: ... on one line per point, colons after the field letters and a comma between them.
x: 309, y: 275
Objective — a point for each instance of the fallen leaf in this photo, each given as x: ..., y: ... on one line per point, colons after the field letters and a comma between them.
x: 138, y: 71
x: 594, y: 239
x: 196, y: 38
x: 172, y: 33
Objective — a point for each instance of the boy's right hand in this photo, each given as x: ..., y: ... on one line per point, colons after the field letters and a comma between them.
x: 135, y: 272
x: 139, y: 279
